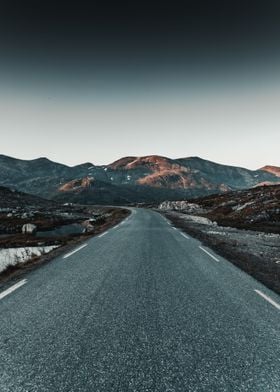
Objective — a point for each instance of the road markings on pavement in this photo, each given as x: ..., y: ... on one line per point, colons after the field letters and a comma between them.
x: 101, y: 235
x: 12, y: 288
x: 209, y: 254
x: 74, y: 251
x: 268, y: 299
x: 185, y: 235
x: 174, y: 228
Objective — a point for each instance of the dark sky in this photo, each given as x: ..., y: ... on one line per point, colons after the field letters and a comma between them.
x: 119, y: 38
x: 90, y: 53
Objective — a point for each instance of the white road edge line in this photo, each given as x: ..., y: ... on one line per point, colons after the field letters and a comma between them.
x: 101, y: 235
x: 209, y: 254
x: 185, y: 235
x: 12, y: 288
x: 174, y: 228
x: 268, y: 299
x: 74, y: 251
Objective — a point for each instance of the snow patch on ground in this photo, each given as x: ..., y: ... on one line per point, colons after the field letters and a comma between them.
x: 242, y: 206
x: 215, y: 232
x: 199, y: 219
x: 180, y: 205
x: 14, y: 256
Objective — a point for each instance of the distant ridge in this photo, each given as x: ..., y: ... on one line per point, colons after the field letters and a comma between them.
x: 130, y: 179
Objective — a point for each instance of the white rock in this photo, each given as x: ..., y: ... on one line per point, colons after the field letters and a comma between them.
x: 29, y: 228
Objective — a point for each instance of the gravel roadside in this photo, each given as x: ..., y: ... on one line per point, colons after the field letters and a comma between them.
x: 256, y: 253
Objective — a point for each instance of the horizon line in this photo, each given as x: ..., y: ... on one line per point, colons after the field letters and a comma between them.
x: 132, y: 156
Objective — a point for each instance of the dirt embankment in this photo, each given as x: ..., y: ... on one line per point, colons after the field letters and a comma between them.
x: 257, y: 253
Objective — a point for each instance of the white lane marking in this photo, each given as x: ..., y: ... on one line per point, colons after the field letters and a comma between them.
x: 268, y: 299
x: 74, y: 251
x: 12, y: 288
x: 116, y: 227
x: 185, y: 235
x: 174, y: 228
x: 101, y: 235
x: 209, y: 254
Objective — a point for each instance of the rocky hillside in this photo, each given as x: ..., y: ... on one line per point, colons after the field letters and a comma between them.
x: 101, y: 192
x: 128, y: 180
x: 77, y: 185
x: 12, y: 199
x: 162, y: 172
x: 187, y: 173
x: 39, y: 176
x: 254, y: 209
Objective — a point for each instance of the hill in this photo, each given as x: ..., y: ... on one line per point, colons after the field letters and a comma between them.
x: 272, y: 169
x: 254, y: 209
x: 128, y: 180
x: 12, y: 199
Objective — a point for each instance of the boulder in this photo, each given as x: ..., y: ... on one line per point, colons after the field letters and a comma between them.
x: 29, y: 228
x: 88, y: 226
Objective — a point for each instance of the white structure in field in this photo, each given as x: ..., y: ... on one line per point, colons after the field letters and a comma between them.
x: 29, y: 228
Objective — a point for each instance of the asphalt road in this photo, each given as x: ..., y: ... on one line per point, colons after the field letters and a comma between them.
x: 140, y: 308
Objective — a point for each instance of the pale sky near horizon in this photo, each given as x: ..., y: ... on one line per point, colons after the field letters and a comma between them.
x: 81, y: 82
x: 238, y: 126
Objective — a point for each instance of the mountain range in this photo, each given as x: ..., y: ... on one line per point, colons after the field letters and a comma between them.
x: 129, y: 180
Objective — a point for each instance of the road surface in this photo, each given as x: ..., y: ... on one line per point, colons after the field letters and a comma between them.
x: 141, y: 308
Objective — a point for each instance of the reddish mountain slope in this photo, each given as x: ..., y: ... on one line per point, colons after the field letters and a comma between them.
x: 78, y: 184
x: 163, y: 172
x: 272, y: 169
x: 148, y: 178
